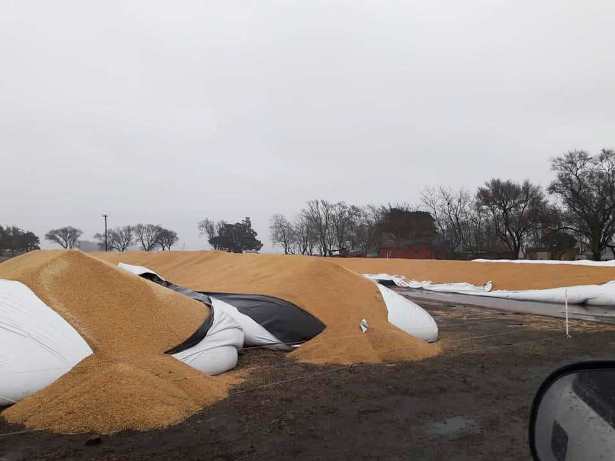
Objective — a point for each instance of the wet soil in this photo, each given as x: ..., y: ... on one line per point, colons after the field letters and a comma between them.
x: 472, y: 402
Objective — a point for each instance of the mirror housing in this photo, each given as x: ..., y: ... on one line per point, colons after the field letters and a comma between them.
x: 573, y: 414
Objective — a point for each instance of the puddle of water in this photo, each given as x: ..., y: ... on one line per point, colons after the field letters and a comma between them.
x: 454, y: 427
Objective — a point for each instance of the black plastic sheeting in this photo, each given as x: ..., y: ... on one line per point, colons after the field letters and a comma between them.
x: 202, y: 297
x: 284, y: 320
x: 387, y: 283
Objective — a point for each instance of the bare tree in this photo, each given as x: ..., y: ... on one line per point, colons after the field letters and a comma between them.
x: 207, y: 227
x: 514, y: 209
x: 283, y: 233
x: 366, y: 234
x: 212, y: 230
x: 167, y: 238
x: 482, y: 234
x: 344, y: 222
x: 120, y: 238
x: 454, y: 214
x: 305, y: 235
x: 319, y: 214
x: 147, y: 236
x: 66, y: 237
x: 586, y: 187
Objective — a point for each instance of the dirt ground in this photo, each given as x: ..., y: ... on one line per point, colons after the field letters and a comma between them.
x: 472, y: 402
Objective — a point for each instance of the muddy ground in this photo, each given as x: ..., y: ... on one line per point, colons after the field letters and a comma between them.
x: 470, y: 403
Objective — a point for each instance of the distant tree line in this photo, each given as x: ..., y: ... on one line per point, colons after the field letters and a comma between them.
x: 336, y: 228
x: 512, y: 216
x: 502, y: 218
x: 148, y: 237
x: 14, y: 240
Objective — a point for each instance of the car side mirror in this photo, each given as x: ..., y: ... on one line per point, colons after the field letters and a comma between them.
x: 573, y: 414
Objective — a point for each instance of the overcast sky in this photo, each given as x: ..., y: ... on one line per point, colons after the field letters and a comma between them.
x: 169, y: 112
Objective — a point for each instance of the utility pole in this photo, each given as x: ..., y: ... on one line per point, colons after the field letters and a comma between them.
x: 106, y: 241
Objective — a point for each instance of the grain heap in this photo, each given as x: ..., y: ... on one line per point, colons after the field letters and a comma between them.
x: 128, y: 322
x: 338, y: 297
x: 129, y: 383
x: 505, y: 276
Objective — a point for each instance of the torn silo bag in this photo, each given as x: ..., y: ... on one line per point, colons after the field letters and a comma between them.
x: 283, y: 320
x: 265, y: 320
x: 254, y: 333
x: 408, y: 316
x: 217, y: 351
x: 37, y: 346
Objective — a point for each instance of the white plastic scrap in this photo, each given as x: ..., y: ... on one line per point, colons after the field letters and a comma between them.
x: 593, y: 295
x: 402, y: 282
x: 580, y: 262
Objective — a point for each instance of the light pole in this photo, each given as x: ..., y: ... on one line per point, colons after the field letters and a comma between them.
x: 106, y: 244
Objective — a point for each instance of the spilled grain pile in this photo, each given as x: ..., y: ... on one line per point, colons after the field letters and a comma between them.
x: 129, y: 383
x: 338, y: 297
x: 505, y: 276
x: 128, y: 322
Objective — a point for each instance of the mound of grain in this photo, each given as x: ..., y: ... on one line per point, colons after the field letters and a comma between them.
x: 105, y: 395
x: 505, y: 276
x: 128, y: 322
x: 338, y: 297
x: 114, y: 311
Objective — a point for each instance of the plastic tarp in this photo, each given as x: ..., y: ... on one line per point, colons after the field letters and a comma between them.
x: 592, y: 295
x: 386, y: 279
x: 580, y: 262
x: 400, y: 281
x: 254, y: 333
x: 37, y: 345
x: 265, y: 320
x: 283, y: 320
x: 214, y: 346
x: 277, y: 324
x: 409, y: 316
x: 217, y: 352
x: 138, y: 270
